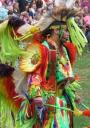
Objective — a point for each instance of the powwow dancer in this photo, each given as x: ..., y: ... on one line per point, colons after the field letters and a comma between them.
x: 43, y: 95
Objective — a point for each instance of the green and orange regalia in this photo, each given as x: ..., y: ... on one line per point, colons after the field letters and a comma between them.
x: 43, y: 95
x: 48, y: 74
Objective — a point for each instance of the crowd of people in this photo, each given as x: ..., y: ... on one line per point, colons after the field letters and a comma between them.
x: 31, y: 11
x: 84, y: 19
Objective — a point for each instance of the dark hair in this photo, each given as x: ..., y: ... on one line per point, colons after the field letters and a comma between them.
x: 39, y: 3
x: 47, y: 32
x: 15, y: 22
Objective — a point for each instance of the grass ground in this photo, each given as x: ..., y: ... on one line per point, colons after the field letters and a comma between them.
x: 83, y: 69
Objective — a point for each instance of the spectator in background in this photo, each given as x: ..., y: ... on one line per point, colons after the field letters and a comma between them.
x: 22, y: 5
x: 50, y: 4
x: 88, y: 37
x: 86, y: 10
x: 86, y: 17
x: 78, y: 4
x: 44, y: 4
x: 10, y: 11
x: 38, y: 13
x: 0, y: 4
x: 44, y: 11
x: 16, y: 8
x: 86, y: 3
x: 32, y: 12
x: 25, y: 17
x: 28, y: 6
x: 39, y: 3
x: 3, y: 11
x: 86, y: 20
x: 10, y: 2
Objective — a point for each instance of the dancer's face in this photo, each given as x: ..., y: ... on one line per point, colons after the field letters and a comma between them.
x: 56, y: 35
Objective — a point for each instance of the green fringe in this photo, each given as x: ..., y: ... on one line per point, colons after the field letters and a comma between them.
x: 71, y: 89
x: 29, y: 123
x: 22, y: 121
x: 10, y: 49
x: 77, y: 35
x: 6, y: 120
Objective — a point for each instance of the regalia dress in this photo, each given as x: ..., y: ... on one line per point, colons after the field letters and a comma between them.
x: 47, y: 82
x: 40, y: 91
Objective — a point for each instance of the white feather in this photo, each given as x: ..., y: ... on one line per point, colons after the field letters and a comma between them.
x: 20, y: 81
x: 44, y: 22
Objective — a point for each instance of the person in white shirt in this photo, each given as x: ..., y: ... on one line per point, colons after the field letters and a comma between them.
x: 68, y: 3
